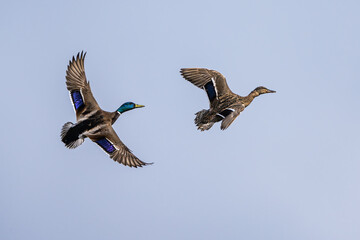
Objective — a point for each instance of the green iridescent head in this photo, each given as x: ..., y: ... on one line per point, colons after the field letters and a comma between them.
x: 128, y: 106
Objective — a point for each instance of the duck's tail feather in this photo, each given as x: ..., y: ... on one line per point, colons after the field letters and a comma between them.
x: 205, y: 126
x: 199, y: 116
x: 202, y: 125
x: 70, y: 136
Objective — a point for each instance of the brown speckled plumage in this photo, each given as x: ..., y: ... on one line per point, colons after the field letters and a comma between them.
x: 225, y: 105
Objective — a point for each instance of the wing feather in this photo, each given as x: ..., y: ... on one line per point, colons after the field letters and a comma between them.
x: 235, y: 112
x: 76, y: 81
x: 122, y: 154
x: 201, y: 76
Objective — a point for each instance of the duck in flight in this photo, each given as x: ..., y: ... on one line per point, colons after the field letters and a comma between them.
x: 225, y: 105
x: 92, y: 121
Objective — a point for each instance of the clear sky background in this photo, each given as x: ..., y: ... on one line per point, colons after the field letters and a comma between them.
x: 287, y: 168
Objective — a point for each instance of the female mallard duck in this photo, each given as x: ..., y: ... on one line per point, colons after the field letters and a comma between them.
x: 225, y: 105
x: 92, y: 121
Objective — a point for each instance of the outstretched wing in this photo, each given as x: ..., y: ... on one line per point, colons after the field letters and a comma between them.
x: 213, y: 82
x: 79, y: 88
x: 109, y: 141
x: 229, y: 115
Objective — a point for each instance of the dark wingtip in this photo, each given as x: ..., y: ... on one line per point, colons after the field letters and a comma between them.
x: 145, y: 164
x: 182, y: 72
x: 82, y: 54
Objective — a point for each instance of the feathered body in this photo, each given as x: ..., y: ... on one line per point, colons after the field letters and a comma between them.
x: 92, y: 121
x: 225, y: 105
x: 74, y: 134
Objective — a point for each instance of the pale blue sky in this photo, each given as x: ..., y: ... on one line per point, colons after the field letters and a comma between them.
x: 287, y: 168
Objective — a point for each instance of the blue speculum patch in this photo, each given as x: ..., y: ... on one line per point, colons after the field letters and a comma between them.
x: 210, y: 90
x: 226, y: 112
x: 77, y: 99
x: 106, y: 145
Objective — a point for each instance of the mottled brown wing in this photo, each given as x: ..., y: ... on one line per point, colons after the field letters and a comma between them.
x: 235, y: 112
x: 109, y: 141
x: 213, y: 82
x: 79, y: 88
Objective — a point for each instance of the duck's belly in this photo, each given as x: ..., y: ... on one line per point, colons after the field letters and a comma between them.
x: 90, y: 126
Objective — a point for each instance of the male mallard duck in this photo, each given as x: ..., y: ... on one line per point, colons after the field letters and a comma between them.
x: 225, y: 105
x: 92, y: 121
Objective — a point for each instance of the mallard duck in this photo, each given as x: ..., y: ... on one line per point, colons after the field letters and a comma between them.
x: 225, y: 105
x: 92, y: 121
